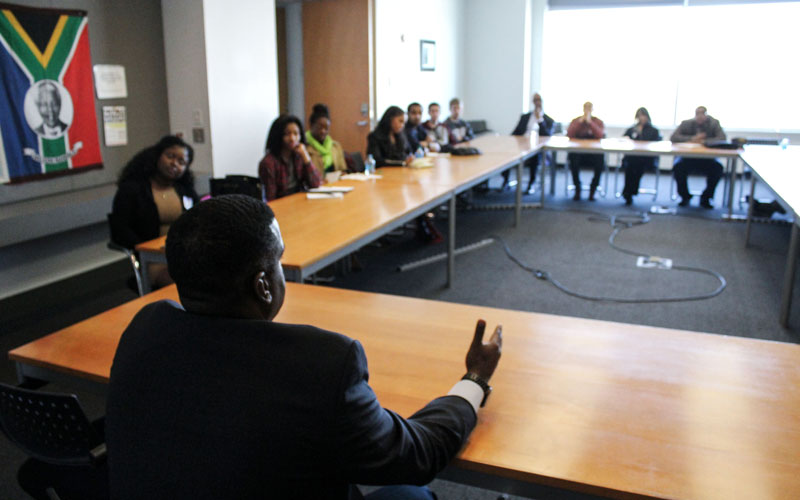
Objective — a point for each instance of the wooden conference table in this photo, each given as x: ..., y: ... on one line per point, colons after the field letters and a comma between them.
x: 643, y: 148
x: 317, y: 233
x: 780, y: 170
x: 594, y: 407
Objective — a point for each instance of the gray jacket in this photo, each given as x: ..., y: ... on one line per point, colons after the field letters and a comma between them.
x: 689, y: 128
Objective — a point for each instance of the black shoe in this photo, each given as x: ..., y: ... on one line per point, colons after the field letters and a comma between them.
x: 628, y: 200
x: 706, y: 203
x: 685, y: 202
x: 577, y: 195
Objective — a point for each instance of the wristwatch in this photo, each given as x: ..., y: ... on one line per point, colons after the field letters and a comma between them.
x: 487, y: 389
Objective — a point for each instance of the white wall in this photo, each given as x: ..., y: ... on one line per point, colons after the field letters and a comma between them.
x: 494, y: 62
x: 187, y: 88
x: 538, y: 8
x: 399, y: 27
x: 242, y: 61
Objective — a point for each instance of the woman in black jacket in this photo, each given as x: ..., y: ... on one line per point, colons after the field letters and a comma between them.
x: 387, y: 143
x: 153, y: 190
x: 634, y: 165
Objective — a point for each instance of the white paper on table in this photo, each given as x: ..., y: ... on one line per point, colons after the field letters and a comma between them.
x: 360, y: 176
x: 324, y: 196
x: 109, y: 80
x: 422, y: 163
x: 331, y: 189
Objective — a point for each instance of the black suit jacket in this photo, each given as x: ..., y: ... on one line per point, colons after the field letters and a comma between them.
x: 545, y: 126
x: 211, y: 407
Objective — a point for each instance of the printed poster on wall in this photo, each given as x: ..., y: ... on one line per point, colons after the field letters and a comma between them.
x: 48, y: 124
x: 115, y: 125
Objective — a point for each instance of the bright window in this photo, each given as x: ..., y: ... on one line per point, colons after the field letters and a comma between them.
x: 737, y: 60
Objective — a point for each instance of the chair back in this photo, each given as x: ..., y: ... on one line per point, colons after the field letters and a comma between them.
x: 358, y: 161
x: 129, y: 253
x: 48, y: 426
x: 478, y: 126
x: 237, y: 184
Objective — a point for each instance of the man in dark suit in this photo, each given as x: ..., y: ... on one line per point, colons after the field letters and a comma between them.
x: 536, y: 120
x: 215, y: 400
x: 48, y: 102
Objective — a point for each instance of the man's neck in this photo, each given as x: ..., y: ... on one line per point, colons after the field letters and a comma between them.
x: 212, y: 306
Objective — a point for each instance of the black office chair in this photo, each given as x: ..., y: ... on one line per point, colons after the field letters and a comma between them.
x: 67, y: 451
x: 357, y: 161
x: 136, y: 284
x: 478, y: 127
x: 237, y: 184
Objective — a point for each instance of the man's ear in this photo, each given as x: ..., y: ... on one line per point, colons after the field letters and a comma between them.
x: 262, y: 288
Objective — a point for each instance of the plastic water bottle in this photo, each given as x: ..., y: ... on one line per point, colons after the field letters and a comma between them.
x: 784, y: 143
x: 419, y: 153
x: 369, y: 165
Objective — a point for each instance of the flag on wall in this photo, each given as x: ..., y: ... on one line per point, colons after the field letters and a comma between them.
x: 48, y: 124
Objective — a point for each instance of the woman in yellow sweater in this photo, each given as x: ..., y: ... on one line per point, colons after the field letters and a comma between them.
x: 326, y: 154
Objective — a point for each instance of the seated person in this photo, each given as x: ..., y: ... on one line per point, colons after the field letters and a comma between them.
x: 212, y: 398
x: 458, y: 130
x: 634, y: 165
x: 437, y: 132
x: 535, y: 120
x: 416, y: 134
x: 700, y: 129
x: 586, y: 126
x: 387, y: 143
x: 286, y: 167
x: 326, y: 154
x: 154, y: 188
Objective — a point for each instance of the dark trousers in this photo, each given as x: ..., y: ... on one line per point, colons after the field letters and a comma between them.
x: 711, y: 168
x: 634, y: 167
x: 587, y: 160
x: 533, y: 165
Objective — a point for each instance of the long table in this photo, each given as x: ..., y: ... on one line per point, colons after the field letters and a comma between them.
x: 588, y: 406
x: 319, y: 232
x: 779, y: 169
x: 645, y: 148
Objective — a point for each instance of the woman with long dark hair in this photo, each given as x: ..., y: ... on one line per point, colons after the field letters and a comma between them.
x: 387, y: 143
x: 634, y: 165
x: 286, y: 167
x: 154, y: 189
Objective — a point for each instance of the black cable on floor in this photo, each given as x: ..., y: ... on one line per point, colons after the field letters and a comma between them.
x: 619, y: 223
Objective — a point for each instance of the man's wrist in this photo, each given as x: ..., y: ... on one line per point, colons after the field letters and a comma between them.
x: 482, y: 382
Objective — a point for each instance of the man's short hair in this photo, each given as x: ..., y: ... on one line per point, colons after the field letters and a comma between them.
x: 412, y: 105
x: 432, y: 105
x: 454, y: 101
x: 214, y: 249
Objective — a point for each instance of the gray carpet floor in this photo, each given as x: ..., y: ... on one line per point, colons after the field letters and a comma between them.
x: 560, y: 239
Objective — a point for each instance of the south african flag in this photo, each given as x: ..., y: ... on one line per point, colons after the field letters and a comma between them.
x: 48, y: 124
